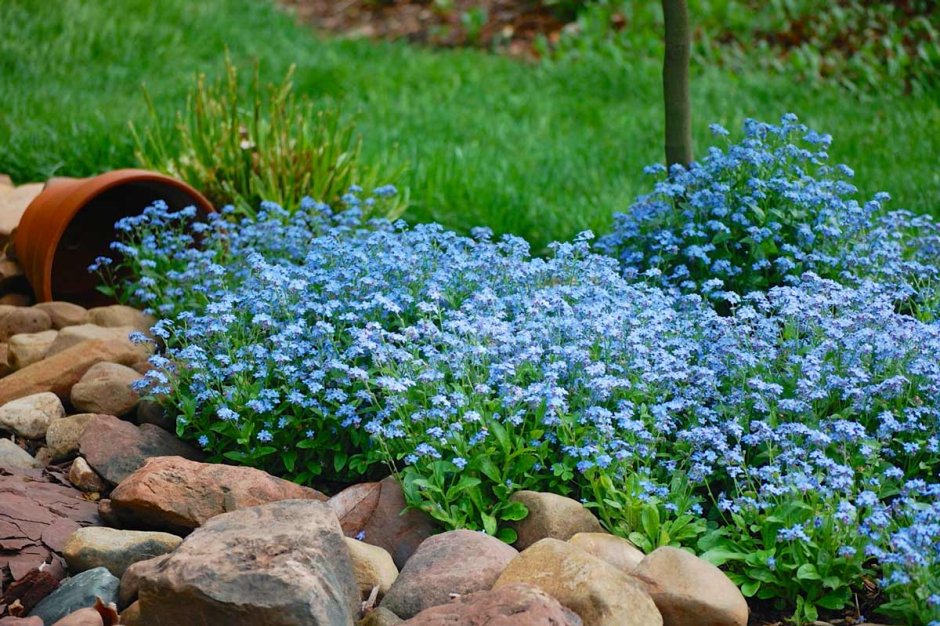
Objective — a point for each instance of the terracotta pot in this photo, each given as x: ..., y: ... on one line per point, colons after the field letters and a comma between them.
x: 71, y: 223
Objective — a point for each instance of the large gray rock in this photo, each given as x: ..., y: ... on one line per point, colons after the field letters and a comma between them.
x: 458, y: 561
x: 283, y: 563
x: 77, y: 592
x: 30, y: 416
x: 106, y: 388
x: 116, y: 550
x: 690, y: 591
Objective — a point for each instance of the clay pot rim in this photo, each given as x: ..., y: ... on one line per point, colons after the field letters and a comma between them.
x: 86, y: 189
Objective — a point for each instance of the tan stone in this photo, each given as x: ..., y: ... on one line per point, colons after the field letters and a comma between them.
x: 83, y: 477
x: 59, y: 372
x: 13, y: 203
x: 14, y: 457
x: 373, y: 567
x: 31, y: 415
x: 117, y: 336
x: 27, y: 348
x: 551, y: 516
x: 131, y: 616
x: 598, y: 592
x: 98, y: 546
x: 119, y: 316
x: 106, y: 388
x: 615, y: 550
x: 511, y: 605
x: 64, y: 314
x: 63, y: 434
x: 690, y: 591
x: 23, y: 320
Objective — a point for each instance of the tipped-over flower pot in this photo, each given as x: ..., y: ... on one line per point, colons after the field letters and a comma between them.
x: 71, y: 223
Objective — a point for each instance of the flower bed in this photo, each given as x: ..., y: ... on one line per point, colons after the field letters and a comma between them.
x: 790, y: 435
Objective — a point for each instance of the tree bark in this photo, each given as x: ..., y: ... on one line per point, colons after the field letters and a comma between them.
x: 676, y: 98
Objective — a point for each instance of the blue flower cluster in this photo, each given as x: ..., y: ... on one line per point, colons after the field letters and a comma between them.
x: 792, y: 438
x: 765, y: 210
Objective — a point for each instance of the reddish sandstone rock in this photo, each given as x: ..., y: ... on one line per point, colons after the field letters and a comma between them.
x: 115, y: 448
x: 454, y: 562
x: 82, y: 617
x: 178, y: 495
x: 281, y: 563
x: 518, y: 604
x: 21, y: 621
x: 374, y: 511
x: 58, y: 373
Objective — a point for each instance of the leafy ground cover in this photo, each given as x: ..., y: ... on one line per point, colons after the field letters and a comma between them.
x: 790, y: 436
x: 539, y: 151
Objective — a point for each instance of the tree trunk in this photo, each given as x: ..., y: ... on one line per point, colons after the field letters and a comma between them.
x: 676, y: 83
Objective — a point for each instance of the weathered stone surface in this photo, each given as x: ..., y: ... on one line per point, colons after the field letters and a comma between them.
x: 30, y: 416
x: 380, y: 616
x: 23, y: 320
x: 115, y: 448
x: 130, y: 580
x: 63, y: 434
x: 373, y: 567
x: 5, y: 360
x: 38, y: 583
x: 690, y: 591
x: 116, y: 550
x: 615, y: 550
x: 375, y: 510
x: 517, y: 605
x: 551, y: 516
x: 27, y: 348
x: 131, y: 616
x: 84, y: 478
x: 150, y: 412
x: 13, y: 203
x: 119, y: 315
x: 20, y: 621
x: 178, y: 495
x: 82, y: 617
x: 57, y: 373
x: 598, y: 592
x: 36, y: 517
x: 106, y: 388
x: 458, y: 561
x: 106, y: 513
x: 283, y: 563
x: 77, y: 592
x: 118, y: 338
x: 63, y: 314
x: 14, y: 457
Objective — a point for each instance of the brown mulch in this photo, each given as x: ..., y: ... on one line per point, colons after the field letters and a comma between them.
x: 511, y: 26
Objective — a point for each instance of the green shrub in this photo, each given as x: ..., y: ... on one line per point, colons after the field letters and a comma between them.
x: 264, y: 145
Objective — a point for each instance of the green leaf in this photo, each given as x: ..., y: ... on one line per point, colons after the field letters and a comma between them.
x: 507, y: 535
x: 649, y: 520
x: 749, y: 588
x: 807, y: 571
x: 489, y: 469
x: 514, y: 511
x: 720, y: 556
x: 833, y: 601
x: 289, y: 459
x: 489, y: 524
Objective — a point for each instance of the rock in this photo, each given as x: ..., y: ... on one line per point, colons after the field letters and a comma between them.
x: 20, y: 621
x: 43, y: 455
x: 63, y: 434
x: 37, y: 515
x: 458, y: 561
x: 551, y: 515
x: 5, y: 360
x: 119, y: 315
x: 85, y: 478
x: 38, y: 583
x: 63, y: 314
x: 598, y: 592
x: 77, y: 592
x: 691, y: 591
x: 106, y: 388
x: 113, y: 549
x: 16, y: 299
x: 13, y: 203
x: 14, y: 457
x: 130, y: 581
x: 151, y: 412
x: 57, y: 373
x: 82, y: 617
x: 615, y: 550
x: 375, y: 510
x: 30, y: 416
x: 131, y: 616
x: 281, y: 563
x: 106, y: 513
x: 115, y: 448
x: 380, y: 616
x: 118, y: 338
x: 373, y: 567
x: 23, y: 320
x: 518, y: 604
x: 178, y: 495
x: 25, y: 349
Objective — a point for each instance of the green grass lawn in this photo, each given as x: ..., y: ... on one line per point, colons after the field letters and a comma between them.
x: 540, y: 151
